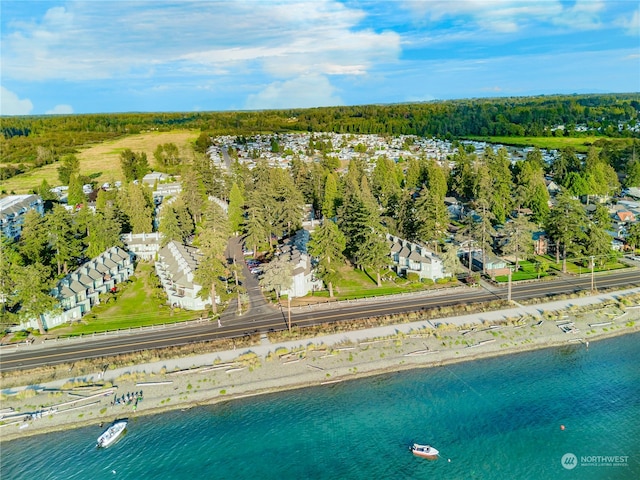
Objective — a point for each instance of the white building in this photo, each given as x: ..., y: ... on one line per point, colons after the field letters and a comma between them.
x: 79, y: 291
x: 409, y: 257
x: 13, y: 209
x: 304, y: 282
x: 143, y: 245
x: 176, y: 266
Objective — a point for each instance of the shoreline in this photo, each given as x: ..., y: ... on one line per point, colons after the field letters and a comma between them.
x: 314, y: 362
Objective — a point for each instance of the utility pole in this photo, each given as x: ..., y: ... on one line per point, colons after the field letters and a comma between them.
x: 235, y: 275
x: 509, y: 288
x: 289, y: 311
x: 593, y: 284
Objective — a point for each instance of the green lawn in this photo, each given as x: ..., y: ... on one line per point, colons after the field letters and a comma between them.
x: 135, y: 305
x: 528, y: 268
x: 580, y: 144
x: 527, y: 271
x: 354, y: 283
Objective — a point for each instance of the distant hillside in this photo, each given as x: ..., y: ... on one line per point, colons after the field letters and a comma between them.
x: 38, y: 140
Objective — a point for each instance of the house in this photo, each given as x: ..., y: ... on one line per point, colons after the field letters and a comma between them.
x: 153, y: 177
x: 176, y: 266
x: 80, y: 290
x: 454, y: 207
x: 295, y: 251
x: 490, y: 264
x: 540, y: 243
x: 624, y: 216
x: 552, y: 187
x: 408, y: 257
x: 13, y: 209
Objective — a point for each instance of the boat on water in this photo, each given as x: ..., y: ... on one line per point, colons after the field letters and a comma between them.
x: 111, y: 434
x: 424, y: 451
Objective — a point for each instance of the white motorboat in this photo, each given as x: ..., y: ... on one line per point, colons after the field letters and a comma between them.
x: 111, y: 434
x: 424, y: 451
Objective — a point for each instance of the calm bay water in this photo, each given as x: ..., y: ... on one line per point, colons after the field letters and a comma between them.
x: 491, y: 419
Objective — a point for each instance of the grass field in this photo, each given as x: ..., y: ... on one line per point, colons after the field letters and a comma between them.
x: 527, y: 271
x: 102, y: 161
x: 354, y: 283
x: 580, y: 144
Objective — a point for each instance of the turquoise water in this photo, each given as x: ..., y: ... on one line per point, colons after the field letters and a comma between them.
x: 491, y: 419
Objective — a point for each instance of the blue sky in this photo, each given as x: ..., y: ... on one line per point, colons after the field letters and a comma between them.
x: 95, y: 56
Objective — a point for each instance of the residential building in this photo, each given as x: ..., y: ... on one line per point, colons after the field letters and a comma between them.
x: 144, y: 245
x: 295, y: 251
x: 80, y: 290
x: 13, y: 208
x: 489, y: 264
x: 408, y: 257
x: 176, y: 266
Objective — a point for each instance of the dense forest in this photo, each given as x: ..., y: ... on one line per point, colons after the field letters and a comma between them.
x: 33, y: 141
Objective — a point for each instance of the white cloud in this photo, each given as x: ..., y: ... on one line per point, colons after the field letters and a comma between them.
x: 631, y: 24
x: 508, y: 16
x: 300, y: 92
x: 61, y: 109
x: 91, y: 40
x: 10, y: 104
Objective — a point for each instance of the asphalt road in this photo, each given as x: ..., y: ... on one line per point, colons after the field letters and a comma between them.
x: 262, y: 317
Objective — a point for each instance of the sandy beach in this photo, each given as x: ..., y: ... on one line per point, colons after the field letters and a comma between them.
x: 182, y: 383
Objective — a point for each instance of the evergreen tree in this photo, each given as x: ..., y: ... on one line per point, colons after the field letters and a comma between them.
x: 69, y: 165
x: 354, y: 220
x: 75, y: 195
x: 374, y: 253
x: 633, y: 236
x: 192, y: 194
x: 212, y: 265
x: 44, y: 191
x: 33, y: 243
x: 384, y: 183
x: 531, y: 190
x: 597, y: 243
x: 32, y: 293
x: 104, y: 233
x: 330, y: 196
x: 236, y: 209
x: 412, y: 175
x: 564, y: 163
x: 10, y: 261
x: 632, y: 178
x: 136, y: 204
x: 499, y: 171
x: 64, y: 243
x: 288, y: 202
x: 519, y: 233
x: 169, y: 226
x: 431, y: 217
x: 462, y: 175
x: 327, y: 244
x: 566, y: 226
x: 451, y: 260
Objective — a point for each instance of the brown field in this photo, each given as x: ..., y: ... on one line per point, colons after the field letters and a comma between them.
x: 102, y: 161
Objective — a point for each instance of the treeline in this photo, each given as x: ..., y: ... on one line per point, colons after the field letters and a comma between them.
x: 513, y: 116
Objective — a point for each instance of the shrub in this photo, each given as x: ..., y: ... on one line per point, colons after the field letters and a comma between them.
x: 413, y: 277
